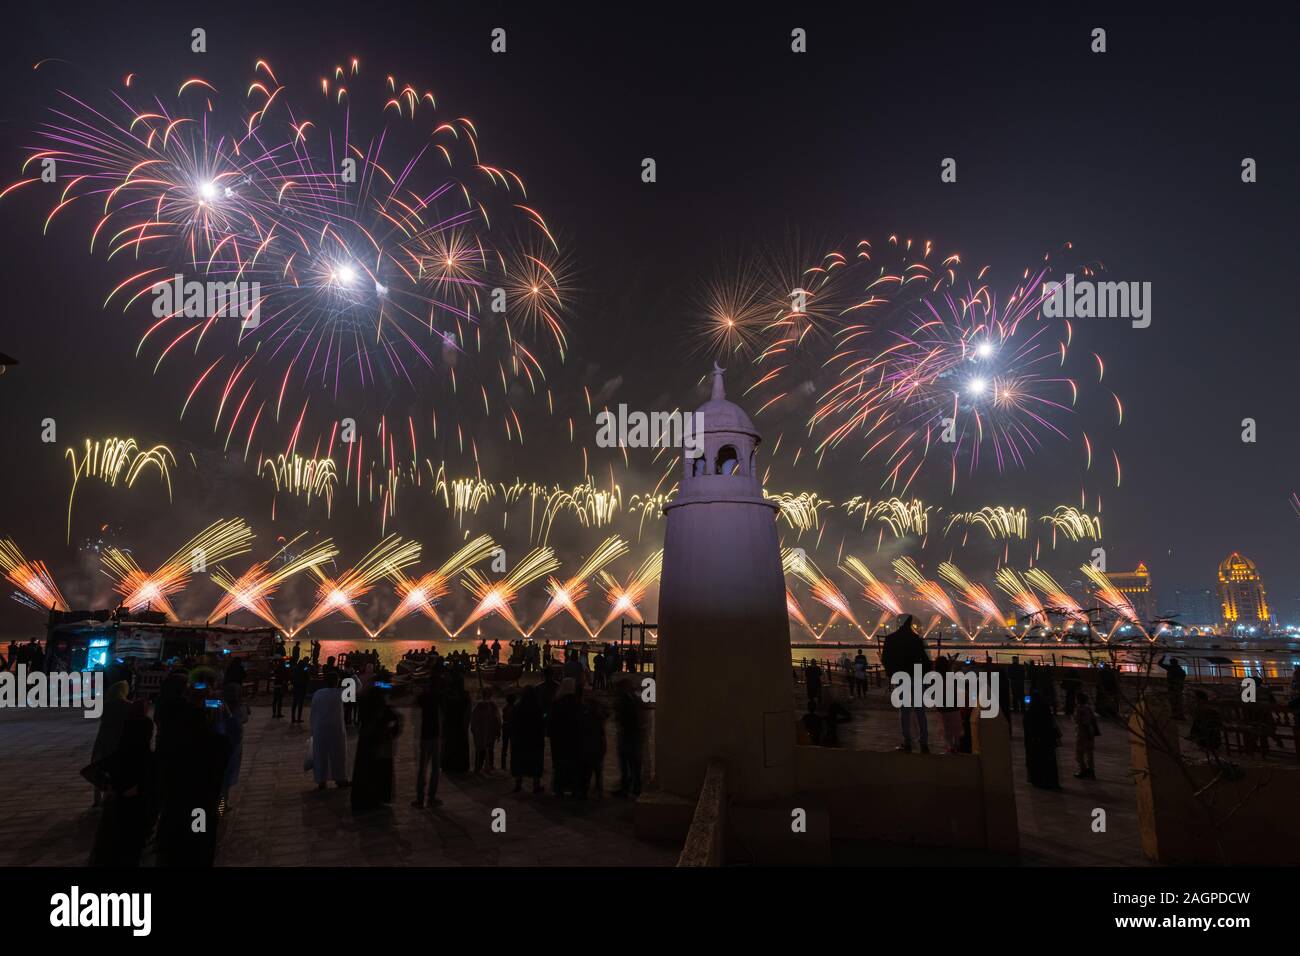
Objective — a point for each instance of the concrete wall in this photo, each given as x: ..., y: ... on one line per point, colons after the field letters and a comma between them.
x: 1248, y: 820
x: 958, y: 800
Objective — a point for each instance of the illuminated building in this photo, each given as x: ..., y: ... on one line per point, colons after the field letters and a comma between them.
x: 1136, y: 586
x: 1241, y: 594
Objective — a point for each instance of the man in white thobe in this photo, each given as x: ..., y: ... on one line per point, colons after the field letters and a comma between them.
x: 328, y: 736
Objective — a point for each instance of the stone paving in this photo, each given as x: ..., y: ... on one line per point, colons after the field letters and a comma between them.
x: 278, y: 818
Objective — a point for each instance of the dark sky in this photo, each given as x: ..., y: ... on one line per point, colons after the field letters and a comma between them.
x: 1133, y: 156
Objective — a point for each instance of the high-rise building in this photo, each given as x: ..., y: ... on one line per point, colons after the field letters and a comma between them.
x: 1241, y: 594
x: 1136, y: 586
x: 1195, y: 607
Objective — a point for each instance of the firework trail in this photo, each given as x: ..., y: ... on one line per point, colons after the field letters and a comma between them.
x: 496, y: 598
x: 252, y: 590
x: 36, y: 587
x: 974, y: 596
x: 307, y: 477
x: 624, y: 599
x: 911, y: 517
x: 801, y: 511
x: 873, y: 589
x: 340, y: 594
x: 796, y: 613
x: 1000, y: 522
x: 565, y: 596
x: 219, y: 541
x: 823, y: 589
x: 929, y: 592
x: 117, y: 459
x: 461, y: 496
x: 424, y: 592
x: 1022, y: 596
x: 1114, y: 599
x: 593, y: 506
x: 1057, y: 601
x: 790, y: 559
x: 650, y: 505
x: 1073, y: 523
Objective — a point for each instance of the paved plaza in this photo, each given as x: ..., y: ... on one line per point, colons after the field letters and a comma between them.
x: 278, y: 818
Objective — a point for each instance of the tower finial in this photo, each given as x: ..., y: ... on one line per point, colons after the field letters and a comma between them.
x: 718, y: 392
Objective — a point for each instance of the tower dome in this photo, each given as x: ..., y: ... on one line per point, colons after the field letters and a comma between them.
x: 728, y: 450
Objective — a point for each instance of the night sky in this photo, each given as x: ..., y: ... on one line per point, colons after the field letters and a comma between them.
x: 1134, y: 156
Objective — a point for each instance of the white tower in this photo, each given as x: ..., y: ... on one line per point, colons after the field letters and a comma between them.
x: 724, y: 685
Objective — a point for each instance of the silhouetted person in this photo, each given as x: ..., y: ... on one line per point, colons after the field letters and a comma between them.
x: 631, y: 739
x: 1207, y: 724
x: 592, y: 768
x: 1107, y: 704
x: 546, y: 692
x: 485, y: 726
x: 192, y: 771
x: 902, y: 652
x: 230, y: 724
x: 1042, y: 737
x: 235, y: 672
x: 565, y: 729
x: 814, y: 678
x: 279, y: 683
x: 1085, y: 735
x: 1016, y: 678
x: 455, y: 728
x: 373, y: 770
x: 429, y: 760
x: 507, y: 728
x: 1071, y: 685
x: 812, y: 722
x: 528, y: 740
x: 130, y: 778
x: 300, y: 679
x: 1044, y: 684
x: 1175, y: 678
x: 109, y: 733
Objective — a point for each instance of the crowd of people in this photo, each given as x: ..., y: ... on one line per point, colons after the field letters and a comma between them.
x: 530, y: 657
x: 567, y: 711
x: 168, y: 774
x: 158, y: 766
x: 30, y: 655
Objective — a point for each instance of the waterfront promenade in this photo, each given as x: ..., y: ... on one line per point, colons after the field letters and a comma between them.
x: 278, y: 818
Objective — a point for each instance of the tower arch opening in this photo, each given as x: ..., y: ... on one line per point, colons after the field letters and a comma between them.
x: 728, y: 462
